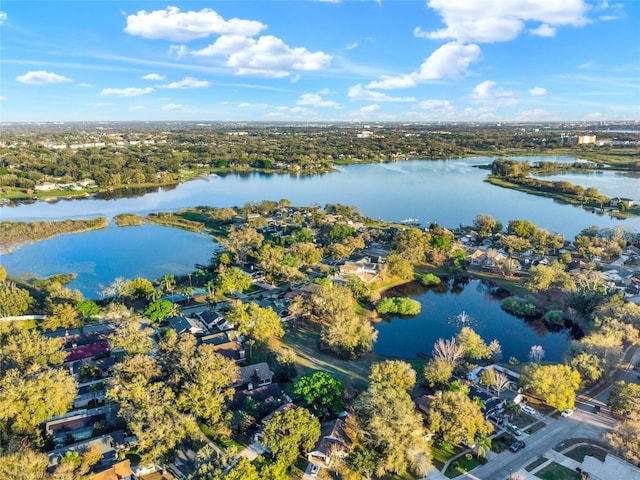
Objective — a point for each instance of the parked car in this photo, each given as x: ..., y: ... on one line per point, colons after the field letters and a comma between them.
x: 529, y: 410
x: 517, y: 445
x: 513, y: 429
x: 315, y: 468
x: 596, y: 409
x: 567, y: 413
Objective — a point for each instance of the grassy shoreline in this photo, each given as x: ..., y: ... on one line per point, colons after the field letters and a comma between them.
x: 14, y: 234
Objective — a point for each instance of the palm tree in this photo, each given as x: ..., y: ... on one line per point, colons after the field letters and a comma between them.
x: 483, y: 445
x: 168, y: 282
x: 251, y: 342
x: 211, y: 293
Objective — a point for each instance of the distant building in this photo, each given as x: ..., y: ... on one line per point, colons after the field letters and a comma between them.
x: 586, y: 139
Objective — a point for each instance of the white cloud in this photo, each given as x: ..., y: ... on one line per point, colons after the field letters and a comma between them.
x: 126, y: 92
x: 352, y: 46
x: 3, y: 17
x: 370, y: 108
x: 41, y: 77
x: 267, y: 56
x: 295, y: 78
x: 172, y: 24
x: 138, y: 107
x: 178, y: 51
x: 187, y: 82
x: 588, y: 64
x: 499, y: 20
x: 443, y: 106
x: 451, y: 60
x: 299, y: 110
x: 256, y: 106
x: 533, y: 115
x: 537, y: 91
x: 85, y: 85
x: 99, y: 104
x: 2, y: 99
x: 487, y: 92
x: 153, y: 76
x: 315, y: 100
x: 544, y: 30
x: 275, y: 114
x: 358, y: 92
x: 175, y: 107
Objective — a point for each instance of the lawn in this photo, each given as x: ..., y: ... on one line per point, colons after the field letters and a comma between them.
x: 582, y: 451
x: 463, y: 465
x: 535, y: 464
x: 440, y: 454
x: 555, y: 471
x: 302, y: 338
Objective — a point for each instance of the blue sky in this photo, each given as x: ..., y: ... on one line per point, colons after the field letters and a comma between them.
x: 436, y: 60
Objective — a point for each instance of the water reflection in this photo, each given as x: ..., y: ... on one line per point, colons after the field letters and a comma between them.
x: 413, y: 337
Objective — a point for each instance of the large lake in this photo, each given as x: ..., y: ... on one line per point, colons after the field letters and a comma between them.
x: 100, y: 256
x: 409, y: 337
x: 449, y: 192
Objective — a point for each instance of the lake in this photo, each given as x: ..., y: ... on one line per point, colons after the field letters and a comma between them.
x: 449, y: 192
x: 407, y: 337
x: 611, y: 184
x: 99, y: 256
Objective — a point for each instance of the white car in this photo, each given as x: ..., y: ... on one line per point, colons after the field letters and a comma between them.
x: 567, y: 413
x: 529, y: 410
x: 315, y: 468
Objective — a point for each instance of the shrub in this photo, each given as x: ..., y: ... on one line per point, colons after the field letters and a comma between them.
x: 520, y: 307
x: 554, y: 318
x: 428, y: 279
x: 401, y: 306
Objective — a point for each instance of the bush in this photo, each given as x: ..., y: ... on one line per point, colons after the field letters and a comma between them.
x: 428, y: 279
x: 554, y: 318
x: 399, y: 305
x: 520, y: 307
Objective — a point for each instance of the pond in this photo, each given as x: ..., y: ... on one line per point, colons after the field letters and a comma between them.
x: 98, y: 257
x: 410, y: 337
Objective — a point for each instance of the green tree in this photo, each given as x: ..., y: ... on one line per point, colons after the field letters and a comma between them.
x: 413, y: 245
x: 455, y: 417
x: 625, y: 438
x: 243, y: 241
x: 474, y: 346
x: 322, y: 391
x: 624, y: 398
x: 387, y: 413
x: 24, y: 464
x: 133, y: 338
x: 396, y: 374
x: 290, y: 433
x: 233, y: 280
x: 437, y: 373
x: 340, y: 232
x: 556, y: 384
x: 543, y: 278
x: 255, y: 321
x: 14, y: 300
x: 3, y: 274
x: 87, y: 309
x: 28, y: 400
x: 486, y: 226
x: 158, y: 310
x: 398, y: 266
x: 140, y: 288
x: 63, y: 315
x: 590, y: 366
x: 28, y: 351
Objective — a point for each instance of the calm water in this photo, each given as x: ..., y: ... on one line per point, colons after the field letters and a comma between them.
x: 449, y: 192
x: 408, y: 337
x: 99, y: 256
x: 611, y: 184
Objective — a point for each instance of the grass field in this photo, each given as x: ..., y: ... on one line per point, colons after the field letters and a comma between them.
x: 555, y: 471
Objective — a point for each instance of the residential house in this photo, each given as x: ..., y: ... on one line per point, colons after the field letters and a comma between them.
x: 228, y: 344
x: 108, y: 445
x: 79, y: 424
x: 364, y: 269
x: 335, y: 439
x: 187, y: 325
x: 119, y: 471
x: 256, y: 375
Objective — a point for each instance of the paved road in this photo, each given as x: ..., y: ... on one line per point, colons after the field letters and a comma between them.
x: 583, y: 424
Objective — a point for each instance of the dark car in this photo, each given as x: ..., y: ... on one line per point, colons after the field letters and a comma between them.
x: 596, y: 409
x: 517, y: 445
